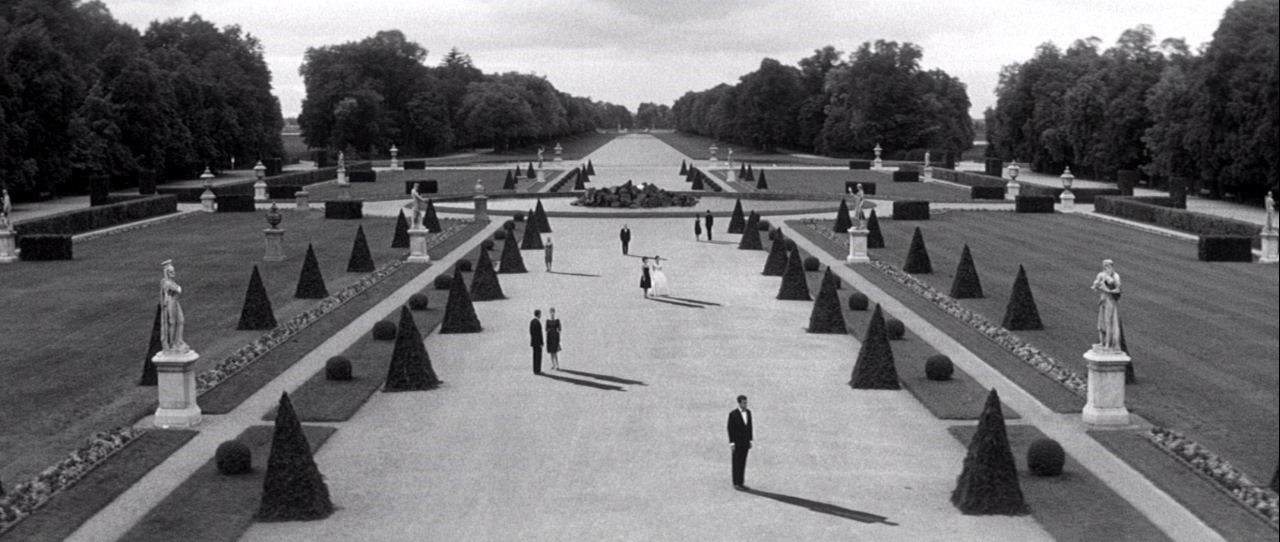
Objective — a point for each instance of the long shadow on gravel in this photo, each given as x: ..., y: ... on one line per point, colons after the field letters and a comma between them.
x: 823, y: 508
x: 606, y: 378
x: 586, y: 383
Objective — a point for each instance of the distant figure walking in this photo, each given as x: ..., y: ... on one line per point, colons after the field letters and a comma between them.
x: 535, y: 340
x: 741, y: 425
x: 553, y: 339
x: 711, y: 220
x: 548, y: 248
x: 697, y: 228
x: 625, y: 236
x: 646, y: 281
x: 1107, y: 284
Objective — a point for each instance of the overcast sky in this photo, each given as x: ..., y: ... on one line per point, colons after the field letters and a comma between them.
x: 632, y: 51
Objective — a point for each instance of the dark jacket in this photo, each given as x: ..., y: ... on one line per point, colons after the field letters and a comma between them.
x: 625, y: 235
x: 535, y: 333
x: 740, y: 432
x: 710, y: 219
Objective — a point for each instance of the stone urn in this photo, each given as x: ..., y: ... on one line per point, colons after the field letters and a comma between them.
x: 274, y: 217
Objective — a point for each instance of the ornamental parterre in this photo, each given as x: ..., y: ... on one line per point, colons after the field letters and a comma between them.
x: 1255, y: 498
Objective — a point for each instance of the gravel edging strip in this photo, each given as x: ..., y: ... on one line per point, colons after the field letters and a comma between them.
x: 1259, y: 500
x: 132, y: 226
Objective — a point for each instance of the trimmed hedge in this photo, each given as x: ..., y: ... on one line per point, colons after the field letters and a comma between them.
x: 907, y: 176
x: 911, y: 210
x: 44, y: 247
x: 429, y: 186
x: 851, y: 187
x: 283, y: 192
x: 1126, y: 179
x: 415, y: 164
x: 233, y: 458
x: 859, y: 164
x: 1033, y: 204
x: 1083, y: 195
x: 236, y: 203
x: 858, y: 302
x: 1225, y: 248
x: 1161, y: 212
x: 967, y: 178
x: 986, y: 192
x: 338, y: 368
x: 344, y: 209
x: 993, y: 167
x: 419, y: 302
x: 384, y: 330
x: 939, y: 368
x: 1045, y: 457
x: 368, y: 176
x: 147, y: 179
x: 96, y: 218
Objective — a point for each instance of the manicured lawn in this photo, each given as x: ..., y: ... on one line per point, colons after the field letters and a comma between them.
x: 697, y: 147
x: 574, y: 147
x: 390, y: 184
x: 833, y: 182
x: 1202, y: 335
x: 76, y: 332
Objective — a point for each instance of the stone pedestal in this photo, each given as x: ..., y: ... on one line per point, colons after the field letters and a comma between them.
x: 542, y: 177
x: 8, y: 246
x: 482, y: 208
x: 858, y: 245
x: 730, y: 175
x: 275, y: 244
x: 260, y: 191
x: 1270, y: 247
x: 928, y: 174
x: 1068, y: 201
x: 208, y: 201
x: 176, y: 384
x: 418, y: 245
x: 1011, y: 190
x: 1105, y: 402
x: 344, y: 190
x: 877, y: 164
x: 303, y: 199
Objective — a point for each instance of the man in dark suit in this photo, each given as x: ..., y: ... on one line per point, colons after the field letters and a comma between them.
x: 740, y: 435
x: 625, y: 236
x: 710, y: 220
x: 535, y: 340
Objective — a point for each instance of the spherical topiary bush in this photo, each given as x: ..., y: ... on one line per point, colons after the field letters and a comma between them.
x: 464, y: 265
x: 858, y: 302
x: 939, y: 368
x: 233, y: 457
x: 509, y: 225
x: 500, y: 235
x: 811, y: 264
x: 791, y: 245
x: 384, y: 331
x: 337, y: 368
x: 444, y: 282
x: 895, y: 328
x: 1045, y: 457
x: 519, y: 217
x: 487, y: 245
x: 419, y: 302
x: 764, y: 226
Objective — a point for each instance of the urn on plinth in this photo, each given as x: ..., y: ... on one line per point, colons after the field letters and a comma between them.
x: 395, y: 163
x: 877, y: 163
x: 1068, y: 199
x: 260, y: 186
x: 559, y: 150
x: 1012, y: 188
x: 274, y: 236
x: 208, y: 201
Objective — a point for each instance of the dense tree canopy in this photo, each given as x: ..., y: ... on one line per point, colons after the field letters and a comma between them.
x: 1209, y: 116
x: 82, y: 94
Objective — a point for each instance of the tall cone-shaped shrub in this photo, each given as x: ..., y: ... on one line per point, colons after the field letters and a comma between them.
x: 795, y: 287
x: 966, y: 285
x: 751, y: 174
x: 843, y: 221
x: 511, y: 261
x: 544, y: 225
x: 591, y: 168
x: 410, y: 368
x: 459, y: 313
x: 153, y: 348
x: 742, y: 171
x: 256, y: 313
x: 762, y: 184
x: 532, y: 239
x: 988, y: 484
x: 531, y: 173
x: 776, y: 264
x: 429, y: 219
x: 1021, y: 313
x: 293, y: 488
x: 484, y: 283
x: 578, y: 182
x: 684, y: 168
x: 874, y: 238
x: 311, y: 281
x: 697, y: 181
x: 510, y: 182
x: 361, y: 260
x: 827, y: 315
x: 736, y: 220
x: 918, y: 261
x: 751, y: 234
x: 875, y: 368
x: 401, y: 237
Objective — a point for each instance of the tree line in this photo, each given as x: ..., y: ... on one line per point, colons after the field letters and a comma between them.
x: 836, y: 105
x: 1209, y: 116
x: 82, y: 94
x: 364, y: 97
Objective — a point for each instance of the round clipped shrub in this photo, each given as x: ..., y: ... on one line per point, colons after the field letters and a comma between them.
x: 233, y: 458
x: 764, y: 226
x: 519, y: 217
x: 464, y: 265
x: 444, y: 282
x: 895, y: 328
x: 1045, y: 457
x: 509, y: 225
x: 858, y: 302
x: 939, y: 368
x: 419, y: 302
x: 791, y: 245
x: 384, y: 331
x: 487, y: 245
x: 337, y: 368
x: 500, y: 235
x: 811, y: 264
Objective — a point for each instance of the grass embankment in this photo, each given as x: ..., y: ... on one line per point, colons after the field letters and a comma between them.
x: 800, y: 181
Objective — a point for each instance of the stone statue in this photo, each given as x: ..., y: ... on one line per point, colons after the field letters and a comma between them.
x: 6, y: 209
x: 540, y: 149
x: 419, y: 207
x: 1107, y: 284
x: 171, y: 319
x: 860, y: 201
x: 1269, y: 200
x: 926, y: 158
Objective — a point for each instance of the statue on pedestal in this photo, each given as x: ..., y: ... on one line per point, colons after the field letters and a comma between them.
x: 540, y: 149
x: 860, y: 201
x: 419, y: 207
x: 1107, y: 284
x: 171, y: 319
x: 6, y: 209
x: 1269, y: 200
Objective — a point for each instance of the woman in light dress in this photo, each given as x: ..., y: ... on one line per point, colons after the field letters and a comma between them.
x: 659, y: 278
x: 1107, y: 284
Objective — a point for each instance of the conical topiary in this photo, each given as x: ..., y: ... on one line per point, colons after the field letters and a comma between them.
x: 484, y: 283
x: 459, y: 313
x: 578, y: 181
x: 293, y: 488
x: 361, y: 260
x: 827, y: 315
x: 1275, y: 477
x: 988, y: 484
x: 751, y: 174
x: 591, y: 168
x: 429, y: 219
x: 511, y: 261
x: 918, y: 261
x: 153, y: 348
x: 751, y: 234
x: 311, y: 281
x: 776, y: 264
x: 966, y: 284
x: 875, y: 369
x: 510, y: 182
x: 410, y: 368
x: 762, y: 184
x: 697, y: 180
x: 684, y: 168
x: 256, y: 314
x: 874, y: 238
x: 544, y: 225
x: 1130, y: 377
x: 401, y: 237
x: 795, y: 287
x: 532, y: 239
x: 736, y: 220
x: 742, y: 171
x: 843, y: 222
x: 531, y: 173
x: 688, y: 176
x: 1021, y: 313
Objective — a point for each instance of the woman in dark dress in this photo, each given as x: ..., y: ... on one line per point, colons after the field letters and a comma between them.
x: 646, y: 281
x: 697, y: 229
x: 553, y: 339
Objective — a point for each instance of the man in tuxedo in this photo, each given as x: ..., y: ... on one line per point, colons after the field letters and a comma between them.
x: 740, y: 435
x: 625, y: 236
x: 535, y: 340
x: 710, y: 220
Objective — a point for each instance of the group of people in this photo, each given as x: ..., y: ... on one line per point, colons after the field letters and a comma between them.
x: 550, y: 341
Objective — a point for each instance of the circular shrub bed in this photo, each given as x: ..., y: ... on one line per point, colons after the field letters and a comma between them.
x: 519, y: 217
x: 444, y: 282
x: 939, y: 368
x: 791, y: 245
x: 895, y: 328
x: 419, y: 302
x: 1045, y: 457
x: 763, y: 225
x: 811, y: 264
x: 384, y: 331
x: 464, y: 265
x: 233, y: 458
x: 858, y: 302
x: 337, y: 368
x: 487, y: 245
x: 500, y: 235
x: 509, y: 225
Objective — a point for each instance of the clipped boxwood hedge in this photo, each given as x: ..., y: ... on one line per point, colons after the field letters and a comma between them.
x: 103, y: 216
x: 986, y: 192
x: 344, y: 209
x: 362, y: 176
x: 859, y: 164
x: 44, y: 247
x: 911, y: 210
x: 1161, y: 212
x: 1033, y: 204
x: 236, y: 203
x: 415, y: 164
x: 908, y: 176
x: 1083, y: 195
x: 967, y: 178
x: 283, y: 192
x: 1225, y: 248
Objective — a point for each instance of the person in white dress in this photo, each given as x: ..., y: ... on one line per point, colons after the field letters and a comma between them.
x: 659, y: 278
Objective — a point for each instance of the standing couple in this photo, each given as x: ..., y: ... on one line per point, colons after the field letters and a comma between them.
x: 652, y: 279
x: 552, y: 342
